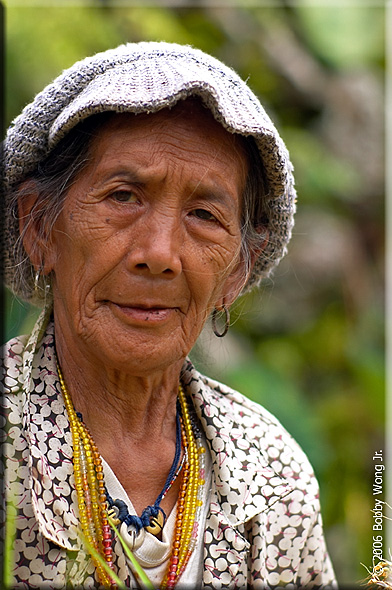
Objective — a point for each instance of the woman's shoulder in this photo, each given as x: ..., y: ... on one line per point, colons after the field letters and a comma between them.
x: 238, y: 406
x: 18, y: 354
x: 11, y: 364
x: 12, y: 351
x: 246, y: 419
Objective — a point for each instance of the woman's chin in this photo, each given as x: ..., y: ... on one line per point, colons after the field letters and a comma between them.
x: 137, y: 341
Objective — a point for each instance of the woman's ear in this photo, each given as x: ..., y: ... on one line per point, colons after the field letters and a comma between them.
x: 256, y: 250
x: 232, y: 287
x: 32, y: 228
x: 242, y: 271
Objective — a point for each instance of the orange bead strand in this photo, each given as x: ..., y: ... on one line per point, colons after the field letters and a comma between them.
x: 90, y: 488
x: 189, y: 504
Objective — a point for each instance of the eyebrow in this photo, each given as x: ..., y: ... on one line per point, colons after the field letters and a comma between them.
x: 122, y: 173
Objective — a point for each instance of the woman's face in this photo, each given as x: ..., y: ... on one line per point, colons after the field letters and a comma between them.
x: 148, y: 241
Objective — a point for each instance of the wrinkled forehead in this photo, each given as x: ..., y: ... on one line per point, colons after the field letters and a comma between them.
x: 183, y: 148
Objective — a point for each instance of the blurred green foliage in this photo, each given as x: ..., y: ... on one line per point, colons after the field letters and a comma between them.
x: 309, y: 345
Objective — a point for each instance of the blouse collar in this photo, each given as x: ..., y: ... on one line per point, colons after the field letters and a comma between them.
x: 244, y: 482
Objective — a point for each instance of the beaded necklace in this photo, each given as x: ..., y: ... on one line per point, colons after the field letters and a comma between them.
x: 92, y: 495
x: 189, y: 505
x: 90, y: 488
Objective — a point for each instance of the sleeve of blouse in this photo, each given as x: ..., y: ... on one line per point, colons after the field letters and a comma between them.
x: 315, y: 569
x: 287, y: 547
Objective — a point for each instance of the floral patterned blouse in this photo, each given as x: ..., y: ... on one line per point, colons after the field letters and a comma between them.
x: 263, y: 527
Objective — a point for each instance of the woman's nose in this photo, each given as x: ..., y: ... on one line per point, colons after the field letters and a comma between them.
x: 156, y: 247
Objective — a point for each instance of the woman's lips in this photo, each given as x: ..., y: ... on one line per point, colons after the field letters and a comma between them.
x: 143, y: 314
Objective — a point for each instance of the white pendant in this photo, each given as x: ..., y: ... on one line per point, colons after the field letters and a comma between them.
x: 133, y: 539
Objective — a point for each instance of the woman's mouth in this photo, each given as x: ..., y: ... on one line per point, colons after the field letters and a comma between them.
x: 143, y: 313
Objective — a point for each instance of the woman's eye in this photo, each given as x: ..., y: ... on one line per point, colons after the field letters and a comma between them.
x: 124, y: 197
x: 204, y: 214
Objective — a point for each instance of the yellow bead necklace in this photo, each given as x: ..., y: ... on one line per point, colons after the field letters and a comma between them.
x: 190, y: 502
x: 90, y: 488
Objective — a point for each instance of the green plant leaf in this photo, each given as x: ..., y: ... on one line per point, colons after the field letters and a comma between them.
x: 139, y: 572
x: 94, y: 553
x: 10, y: 533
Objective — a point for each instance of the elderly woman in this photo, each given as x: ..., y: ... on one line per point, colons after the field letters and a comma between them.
x: 146, y: 188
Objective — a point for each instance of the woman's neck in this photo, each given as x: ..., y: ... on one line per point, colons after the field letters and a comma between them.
x: 133, y: 406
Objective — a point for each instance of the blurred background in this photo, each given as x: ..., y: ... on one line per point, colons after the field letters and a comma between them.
x: 309, y: 345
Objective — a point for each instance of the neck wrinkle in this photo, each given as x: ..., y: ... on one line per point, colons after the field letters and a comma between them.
x: 110, y: 401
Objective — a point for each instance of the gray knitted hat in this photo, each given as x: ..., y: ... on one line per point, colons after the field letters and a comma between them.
x: 144, y: 78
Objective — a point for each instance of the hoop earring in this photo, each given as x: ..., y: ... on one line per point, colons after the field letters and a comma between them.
x: 36, y: 279
x: 227, y: 322
x: 37, y: 287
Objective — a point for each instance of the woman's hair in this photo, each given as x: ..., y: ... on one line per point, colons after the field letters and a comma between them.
x: 54, y: 176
